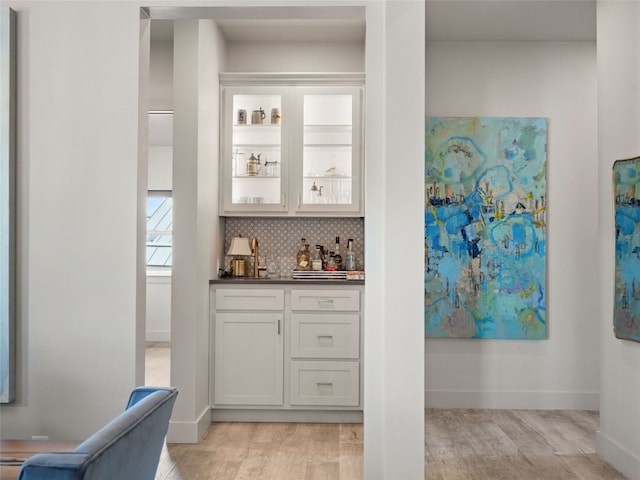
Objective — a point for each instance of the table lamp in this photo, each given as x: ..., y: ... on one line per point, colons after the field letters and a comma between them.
x: 239, y: 247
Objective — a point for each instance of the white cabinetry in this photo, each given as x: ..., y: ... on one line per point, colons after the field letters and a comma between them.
x: 291, y: 149
x: 248, y: 352
x: 287, y: 349
x: 325, y: 347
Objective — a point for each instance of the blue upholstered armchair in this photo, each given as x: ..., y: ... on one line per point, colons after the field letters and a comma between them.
x: 127, y: 448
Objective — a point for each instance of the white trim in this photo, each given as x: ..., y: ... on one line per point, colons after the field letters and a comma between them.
x: 291, y: 416
x: 518, y: 400
x: 617, y: 455
x: 159, y: 276
x: 158, y: 336
x: 292, y: 78
x: 189, y: 432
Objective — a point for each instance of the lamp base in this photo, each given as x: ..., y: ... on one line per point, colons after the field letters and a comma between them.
x: 239, y: 267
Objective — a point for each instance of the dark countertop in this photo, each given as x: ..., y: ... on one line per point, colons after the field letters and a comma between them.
x: 280, y: 281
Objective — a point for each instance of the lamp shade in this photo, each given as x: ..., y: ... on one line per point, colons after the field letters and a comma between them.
x: 239, y: 246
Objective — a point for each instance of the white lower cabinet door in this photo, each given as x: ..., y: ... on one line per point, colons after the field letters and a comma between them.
x: 325, y: 383
x: 248, y: 359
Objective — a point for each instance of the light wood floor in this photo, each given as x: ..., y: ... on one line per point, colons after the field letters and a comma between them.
x: 513, y: 445
x: 459, y: 445
x: 157, y: 364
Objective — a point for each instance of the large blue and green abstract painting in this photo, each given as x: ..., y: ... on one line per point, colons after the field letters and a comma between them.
x: 485, y: 227
x: 626, y: 186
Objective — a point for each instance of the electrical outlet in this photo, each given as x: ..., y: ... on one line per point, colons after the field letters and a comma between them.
x: 218, y: 265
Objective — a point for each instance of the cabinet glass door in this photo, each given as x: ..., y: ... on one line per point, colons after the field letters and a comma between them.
x: 330, y: 149
x: 255, y: 155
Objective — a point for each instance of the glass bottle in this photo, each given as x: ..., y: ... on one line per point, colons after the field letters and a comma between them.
x: 331, y: 263
x: 302, y: 257
x: 350, y: 263
x: 316, y: 261
x: 336, y: 255
x: 324, y: 256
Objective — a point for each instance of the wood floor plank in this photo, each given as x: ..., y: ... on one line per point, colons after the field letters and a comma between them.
x: 351, y: 451
x: 524, y: 437
x: 591, y: 467
x: 553, y: 427
x: 288, y: 466
x: 460, y: 444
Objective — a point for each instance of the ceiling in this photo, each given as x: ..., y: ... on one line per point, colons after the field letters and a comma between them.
x: 277, y: 30
x: 510, y: 20
x: 446, y: 21
x: 293, y: 30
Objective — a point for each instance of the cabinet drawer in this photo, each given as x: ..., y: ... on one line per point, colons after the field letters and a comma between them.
x: 249, y: 299
x: 325, y: 383
x: 323, y: 300
x: 325, y: 336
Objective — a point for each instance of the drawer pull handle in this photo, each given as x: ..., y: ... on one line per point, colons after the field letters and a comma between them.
x: 325, y: 339
x: 326, y: 302
x: 278, y: 326
x: 325, y: 388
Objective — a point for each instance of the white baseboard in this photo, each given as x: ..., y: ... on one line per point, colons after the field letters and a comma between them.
x: 189, y: 432
x: 512, y: 400
x: 618, y: 456
x: 158, y: 336
x: 290, y: 416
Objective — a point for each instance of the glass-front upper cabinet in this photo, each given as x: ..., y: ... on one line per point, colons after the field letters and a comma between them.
x: 329, y: 174
x: 291, y: 150
x: 253, y: 157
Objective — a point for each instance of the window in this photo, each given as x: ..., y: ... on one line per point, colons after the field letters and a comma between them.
x: 159, y: 229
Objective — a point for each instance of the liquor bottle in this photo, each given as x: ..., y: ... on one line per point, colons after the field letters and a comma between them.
x: 331, y: 263
x: 316, y: 261
x: 325, y: 257
x: 302, y: 257
x: 350, y: 263
x: 336, y: 255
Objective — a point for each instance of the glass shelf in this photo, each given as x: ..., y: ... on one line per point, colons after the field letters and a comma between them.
x: 318, y: 139
x: 327, y: 177
x: 256, y: 177
x: 257, y: 126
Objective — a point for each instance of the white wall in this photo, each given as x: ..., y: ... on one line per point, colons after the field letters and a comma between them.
x: 158, y: 318
x: 161, y: 72
x: 198, y: 57
x: 160, y: 177
x: 394, y: 173
x: 160, y: 153
x: 296, y: 57
x: 556, y: 81
x: 77, y: 222
x: 160, y: 167
x: 618, y: 440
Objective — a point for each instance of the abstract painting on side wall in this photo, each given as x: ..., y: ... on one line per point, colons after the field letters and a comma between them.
x: 485, y: 227
x: 626, y: 190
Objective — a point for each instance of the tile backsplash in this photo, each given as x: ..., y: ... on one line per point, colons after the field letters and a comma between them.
x: 279, y: 238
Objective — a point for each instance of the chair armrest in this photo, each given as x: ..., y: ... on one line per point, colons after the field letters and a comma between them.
x: 141, y: 392
x: 54, y: 466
